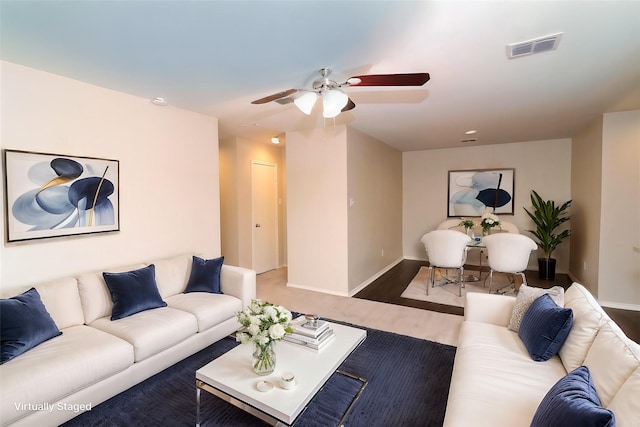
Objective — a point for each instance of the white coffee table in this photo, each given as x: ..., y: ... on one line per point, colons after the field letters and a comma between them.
x: 231, y: 378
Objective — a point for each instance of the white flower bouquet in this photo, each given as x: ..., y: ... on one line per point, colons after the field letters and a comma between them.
x: 263, y: 324
x: 489, y: 221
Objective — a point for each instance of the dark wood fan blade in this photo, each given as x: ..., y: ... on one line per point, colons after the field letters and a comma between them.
x: 350, y: 106
x: 275, y: 96
x: 410, y: 79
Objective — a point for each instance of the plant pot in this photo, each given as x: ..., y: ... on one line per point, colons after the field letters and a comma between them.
x: 547, y: 268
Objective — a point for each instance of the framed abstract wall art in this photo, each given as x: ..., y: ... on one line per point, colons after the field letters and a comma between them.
x: 472, y: 192
x: 51, y: 195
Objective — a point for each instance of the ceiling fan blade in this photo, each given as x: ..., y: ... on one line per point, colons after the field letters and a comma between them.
x: 350, y: 106
x: 409, y: 79
x: 275, y: 96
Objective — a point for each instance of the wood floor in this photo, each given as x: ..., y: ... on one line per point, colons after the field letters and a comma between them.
x: 388, y: 288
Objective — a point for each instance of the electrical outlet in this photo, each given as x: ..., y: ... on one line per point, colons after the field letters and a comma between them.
x: 584, y: 265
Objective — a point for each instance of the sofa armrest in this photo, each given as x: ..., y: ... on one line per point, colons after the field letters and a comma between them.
x: 488, y: 308
x: 238, y: 282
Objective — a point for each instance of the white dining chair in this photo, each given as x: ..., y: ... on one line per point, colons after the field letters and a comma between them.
x: 446, y: 249
x: 508, y: 253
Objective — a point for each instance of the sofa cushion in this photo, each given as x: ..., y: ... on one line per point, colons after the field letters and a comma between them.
x: 626, y: 404
x: 94, y: 294
x: 612, y: 359
x: 80, y: 357
x: 573, y: 401
x: 526, y: 296
x: 24, y: 323
x: 133, y: 291
x: 172, y: 274
x: 588, y: 318
x: 205, y: 275
x: 544, y: 328
x: 62, y: 301
x: 495, y: 382
x: 210, y: 309
x: 151, y: 331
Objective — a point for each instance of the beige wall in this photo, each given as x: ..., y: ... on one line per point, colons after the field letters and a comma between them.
x: 229, y: 194
x: 344, y: 209
x: 374, y: 175
x: 236, y: 156
x: 619, y: 274
x: 544, y: 166
x: 317, y: 221
x: 586, y: 192
x: 169, y: 197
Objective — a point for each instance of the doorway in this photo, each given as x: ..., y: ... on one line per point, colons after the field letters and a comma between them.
x: 264, y: 202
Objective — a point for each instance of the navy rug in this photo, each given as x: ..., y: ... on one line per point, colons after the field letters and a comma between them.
x: 408, y: 386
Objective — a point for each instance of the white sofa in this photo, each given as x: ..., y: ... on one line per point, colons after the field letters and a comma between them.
x: 496, y: 383
x: 95, y: 358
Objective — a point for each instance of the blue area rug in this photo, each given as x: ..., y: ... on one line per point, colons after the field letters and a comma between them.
x: 408, y: 386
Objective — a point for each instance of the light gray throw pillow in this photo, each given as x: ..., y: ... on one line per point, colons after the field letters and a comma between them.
x: 526, y: 296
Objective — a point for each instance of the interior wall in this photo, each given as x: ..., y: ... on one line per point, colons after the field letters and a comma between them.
x: 317, y: 219
x: 169, y: 189
x: 237, y: 155
x: 374, y: 186
x: 229, y: 241
x: 619, y: 274
x: 544, y: 166
x: 586, y: 192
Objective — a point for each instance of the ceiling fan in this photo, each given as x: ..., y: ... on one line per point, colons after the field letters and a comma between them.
x: 334, y: 100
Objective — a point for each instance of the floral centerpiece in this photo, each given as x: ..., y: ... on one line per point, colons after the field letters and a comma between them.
x: 263, y: 325
x: 489, y: 221
x: 467, y: 223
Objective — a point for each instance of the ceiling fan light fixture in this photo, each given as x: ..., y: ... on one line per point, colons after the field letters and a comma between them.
x: 333, y: 101
x: 306, y: 102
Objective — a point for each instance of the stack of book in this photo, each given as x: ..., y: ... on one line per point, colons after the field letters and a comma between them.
x: 315, y: 338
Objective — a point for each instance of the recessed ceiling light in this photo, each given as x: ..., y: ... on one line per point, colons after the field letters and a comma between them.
x: 470, y: 132
x: 275, y: 140
x: 159, y: 101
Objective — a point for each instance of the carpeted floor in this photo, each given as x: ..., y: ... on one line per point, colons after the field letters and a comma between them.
x: 408, y: 386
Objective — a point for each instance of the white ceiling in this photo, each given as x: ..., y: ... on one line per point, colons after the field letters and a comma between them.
x: 215, y: 57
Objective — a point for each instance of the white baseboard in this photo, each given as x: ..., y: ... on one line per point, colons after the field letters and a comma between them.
x: 415, y: 258
x: 374, y: 277
x: 324, y: 291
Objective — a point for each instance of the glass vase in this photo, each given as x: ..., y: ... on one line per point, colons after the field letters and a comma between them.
x: 264, y: 358
x: 469, y: 231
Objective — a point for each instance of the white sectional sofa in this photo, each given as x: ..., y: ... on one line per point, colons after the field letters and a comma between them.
x: 496, y: 383
x: 96, y: 358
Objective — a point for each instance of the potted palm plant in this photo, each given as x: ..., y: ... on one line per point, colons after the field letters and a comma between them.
x: 547, y: 216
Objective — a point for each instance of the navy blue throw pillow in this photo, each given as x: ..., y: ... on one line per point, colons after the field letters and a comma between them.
x: 544, y: 328
x: 24, y: 323
x: 205, y: 275
x: 133, y: 291
x: 573, y: 402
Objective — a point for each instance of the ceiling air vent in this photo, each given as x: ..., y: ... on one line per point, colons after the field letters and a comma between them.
x: 529, y: 47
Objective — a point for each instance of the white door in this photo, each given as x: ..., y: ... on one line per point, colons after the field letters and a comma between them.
x: 264, y: 199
